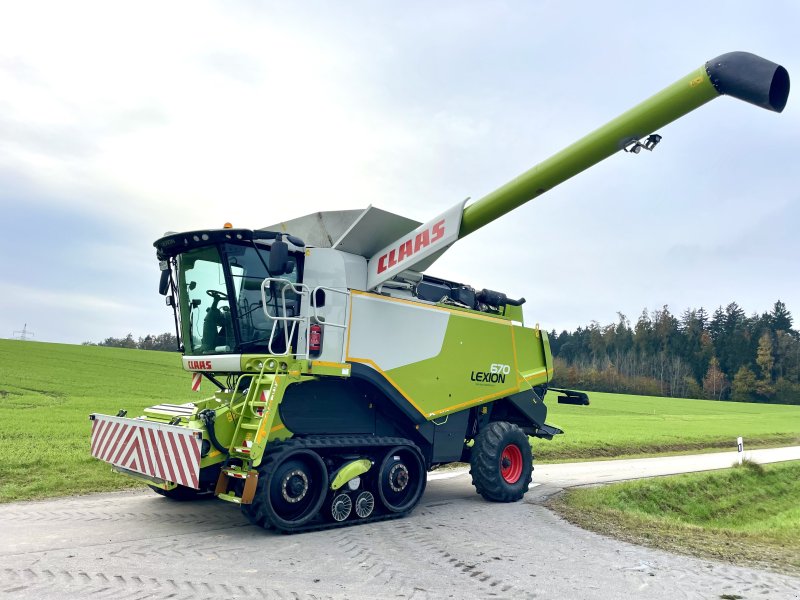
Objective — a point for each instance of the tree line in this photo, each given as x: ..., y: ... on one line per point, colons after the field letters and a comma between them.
x: 723, y: 356
x: 166, y: 342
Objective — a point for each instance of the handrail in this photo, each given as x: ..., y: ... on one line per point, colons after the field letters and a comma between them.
x: 303, y: 291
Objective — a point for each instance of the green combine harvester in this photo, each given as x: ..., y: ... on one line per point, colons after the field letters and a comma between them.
x: 344, y: 372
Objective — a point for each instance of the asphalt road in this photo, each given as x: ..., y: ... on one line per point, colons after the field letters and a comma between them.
x: 455, y: 545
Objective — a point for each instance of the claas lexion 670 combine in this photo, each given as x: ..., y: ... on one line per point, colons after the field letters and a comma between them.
x: 344, y: 371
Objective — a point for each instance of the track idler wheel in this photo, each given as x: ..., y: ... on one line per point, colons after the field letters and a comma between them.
x: 291, y: 489
x: 401, y: 479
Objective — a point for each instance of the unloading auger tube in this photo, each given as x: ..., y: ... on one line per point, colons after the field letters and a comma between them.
x: 737, y: 74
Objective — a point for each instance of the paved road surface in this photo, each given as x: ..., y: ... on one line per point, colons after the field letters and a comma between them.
x: 138, y: 545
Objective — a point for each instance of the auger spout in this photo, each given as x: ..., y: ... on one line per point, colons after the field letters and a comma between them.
x: 738, y: 74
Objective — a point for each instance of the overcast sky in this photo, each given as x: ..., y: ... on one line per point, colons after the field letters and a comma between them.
x: 119, y: 122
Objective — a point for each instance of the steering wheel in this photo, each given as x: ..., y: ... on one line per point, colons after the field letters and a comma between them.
x: 217, y: 295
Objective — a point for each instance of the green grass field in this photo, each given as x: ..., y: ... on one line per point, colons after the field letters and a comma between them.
x: 748, y: 514
x: 48, y: 390
x: 615, y: 424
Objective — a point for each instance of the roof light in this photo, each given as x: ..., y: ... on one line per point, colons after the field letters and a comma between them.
x: 227, y: 226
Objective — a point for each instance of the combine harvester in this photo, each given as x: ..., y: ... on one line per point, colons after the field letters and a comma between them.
x: 345, y: 373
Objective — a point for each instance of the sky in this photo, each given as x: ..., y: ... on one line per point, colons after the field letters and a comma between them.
x: 121, y: 121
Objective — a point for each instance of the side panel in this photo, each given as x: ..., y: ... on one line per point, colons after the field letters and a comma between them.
x: 533, y: 348
x: 327, y: 406
x: 448, y: 438
x: 440, y: 360
x: 391, y: 334
x: 360, y: 405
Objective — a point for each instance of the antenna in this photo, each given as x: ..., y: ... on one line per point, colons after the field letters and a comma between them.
x: 23, y: 334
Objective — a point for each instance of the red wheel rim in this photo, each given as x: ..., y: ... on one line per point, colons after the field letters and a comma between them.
x: 511, y: 463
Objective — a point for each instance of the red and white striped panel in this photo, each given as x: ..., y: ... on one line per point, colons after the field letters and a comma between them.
x: 167, y: 452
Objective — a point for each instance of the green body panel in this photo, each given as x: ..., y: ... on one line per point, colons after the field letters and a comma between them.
x: 482, y: 359
x: 349, y: 471
x: 514, y: 313
x: 533, y: 351
x: 683, y: 96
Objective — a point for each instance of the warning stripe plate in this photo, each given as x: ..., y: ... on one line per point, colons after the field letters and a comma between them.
x: 167, y: 452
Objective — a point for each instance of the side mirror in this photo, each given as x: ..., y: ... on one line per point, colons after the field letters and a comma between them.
x: 278, y: 258
x: 163, y: 284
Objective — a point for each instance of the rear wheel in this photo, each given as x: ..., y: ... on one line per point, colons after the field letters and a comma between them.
x: 501, y: 462
x: 290, y: 491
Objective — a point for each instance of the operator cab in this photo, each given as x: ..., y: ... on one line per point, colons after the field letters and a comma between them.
x: 216, y: 277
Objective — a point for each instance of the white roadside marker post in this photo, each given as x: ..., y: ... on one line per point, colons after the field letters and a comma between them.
x: 740, y: 446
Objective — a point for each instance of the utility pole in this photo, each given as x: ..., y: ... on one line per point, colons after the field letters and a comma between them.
x: 23, y: 334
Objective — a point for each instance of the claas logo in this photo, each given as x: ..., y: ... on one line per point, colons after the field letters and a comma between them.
x: 200, y: 365
x: 411, y: 246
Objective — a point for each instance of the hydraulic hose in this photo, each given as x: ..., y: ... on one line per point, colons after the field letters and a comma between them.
x: 208, y: 417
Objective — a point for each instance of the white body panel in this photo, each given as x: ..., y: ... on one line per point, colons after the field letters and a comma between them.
x: 340, y: 271
x: 392, y: 334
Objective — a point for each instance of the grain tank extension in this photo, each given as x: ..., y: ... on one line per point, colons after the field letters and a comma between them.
x: 344, y: 371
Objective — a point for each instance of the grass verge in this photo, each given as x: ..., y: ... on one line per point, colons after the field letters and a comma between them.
x: 746, y: 515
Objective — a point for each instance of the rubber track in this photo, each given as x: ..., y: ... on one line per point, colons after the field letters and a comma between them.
x: 339, y: 442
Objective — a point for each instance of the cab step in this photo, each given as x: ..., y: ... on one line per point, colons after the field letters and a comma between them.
x: 224, y: 492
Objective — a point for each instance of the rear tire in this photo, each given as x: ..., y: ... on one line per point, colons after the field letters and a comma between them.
x: 501, y: 462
